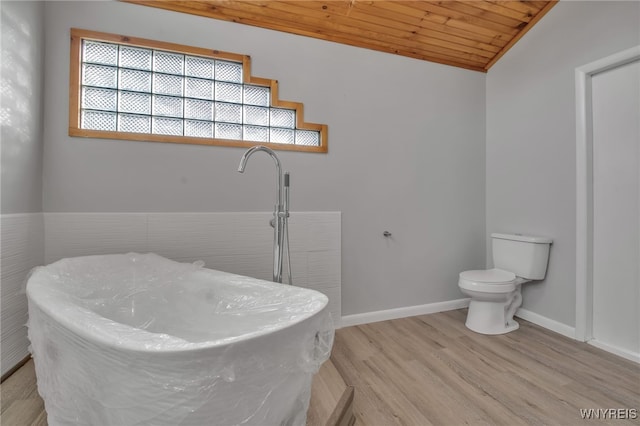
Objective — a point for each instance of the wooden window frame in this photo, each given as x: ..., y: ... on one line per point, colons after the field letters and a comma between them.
x: 75, y: 86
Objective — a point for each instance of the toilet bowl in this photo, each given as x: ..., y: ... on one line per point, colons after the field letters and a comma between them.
x: 496, y: 293
x: 495, y: 296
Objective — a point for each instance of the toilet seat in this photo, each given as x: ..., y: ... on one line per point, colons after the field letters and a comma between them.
x: 488, y: 281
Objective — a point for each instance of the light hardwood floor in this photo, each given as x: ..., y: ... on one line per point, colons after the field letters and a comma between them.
x: 431, y: 369
x: 331, y: 401
x: 21, y: 404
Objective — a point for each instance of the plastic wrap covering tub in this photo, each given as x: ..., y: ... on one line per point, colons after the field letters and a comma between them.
x: 138, y: 339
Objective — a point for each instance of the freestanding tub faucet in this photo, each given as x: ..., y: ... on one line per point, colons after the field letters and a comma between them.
x: 280, y: 212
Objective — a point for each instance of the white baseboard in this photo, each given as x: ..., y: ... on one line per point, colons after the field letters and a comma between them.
x: 409, y: 311
x: 624, y: 353
x: 547, y: 323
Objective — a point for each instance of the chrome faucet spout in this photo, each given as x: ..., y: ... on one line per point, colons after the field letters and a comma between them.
x: 251, y: 151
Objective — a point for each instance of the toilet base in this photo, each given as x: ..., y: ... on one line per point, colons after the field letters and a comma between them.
x: 489, y: 318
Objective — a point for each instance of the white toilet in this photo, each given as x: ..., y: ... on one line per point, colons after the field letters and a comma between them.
x: 495, y: 293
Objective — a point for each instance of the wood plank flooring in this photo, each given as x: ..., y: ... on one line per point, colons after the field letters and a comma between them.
x: 21, y: 404
x: 331, y: 399
x: 432, y: 370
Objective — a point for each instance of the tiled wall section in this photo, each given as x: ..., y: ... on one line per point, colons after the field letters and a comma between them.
x: 22, y: 243
x: 240, y: 243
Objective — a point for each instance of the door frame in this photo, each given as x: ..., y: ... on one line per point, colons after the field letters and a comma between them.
x: 584, y: 186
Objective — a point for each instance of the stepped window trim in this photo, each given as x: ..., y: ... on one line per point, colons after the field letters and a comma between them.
x: 280, y: 112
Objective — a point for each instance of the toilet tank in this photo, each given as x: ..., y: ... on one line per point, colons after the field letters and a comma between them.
x: 526, y: 256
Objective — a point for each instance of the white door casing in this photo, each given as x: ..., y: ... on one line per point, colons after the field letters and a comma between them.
x: 585, y: 187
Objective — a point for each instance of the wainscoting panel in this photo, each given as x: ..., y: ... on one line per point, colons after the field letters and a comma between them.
x: 84, y: 234
x: 22, y: 248
x: 240, y: 243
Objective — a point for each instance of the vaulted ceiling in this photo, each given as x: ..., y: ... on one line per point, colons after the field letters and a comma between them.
x: 470, y: 34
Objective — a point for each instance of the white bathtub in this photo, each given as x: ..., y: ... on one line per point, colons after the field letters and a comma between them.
x: 139, y: 339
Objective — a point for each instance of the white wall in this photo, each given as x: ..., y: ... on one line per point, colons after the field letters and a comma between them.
x: 21, y: 223
x: 406, y: 152
x: 21, y: 118
x: 531, y: 154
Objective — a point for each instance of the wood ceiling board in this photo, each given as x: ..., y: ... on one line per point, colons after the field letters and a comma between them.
x: 505, y: 11
x: 297, y: 16
x: 425, y: 26
x: 414, y: 39
x: 347, y: 27
x: 454, y: 15
x: 523, y: 6
x: 486, y: 15
x: 429, y: 23
x: 471, y: 34
x: 297, y: 28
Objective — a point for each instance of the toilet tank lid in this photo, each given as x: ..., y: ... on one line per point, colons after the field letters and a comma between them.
x: 525, y: 238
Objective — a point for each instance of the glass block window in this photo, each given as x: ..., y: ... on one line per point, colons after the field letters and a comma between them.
x: 151, y: 91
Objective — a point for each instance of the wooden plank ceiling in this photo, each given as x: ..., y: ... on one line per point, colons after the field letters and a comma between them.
x: 470, y: 34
